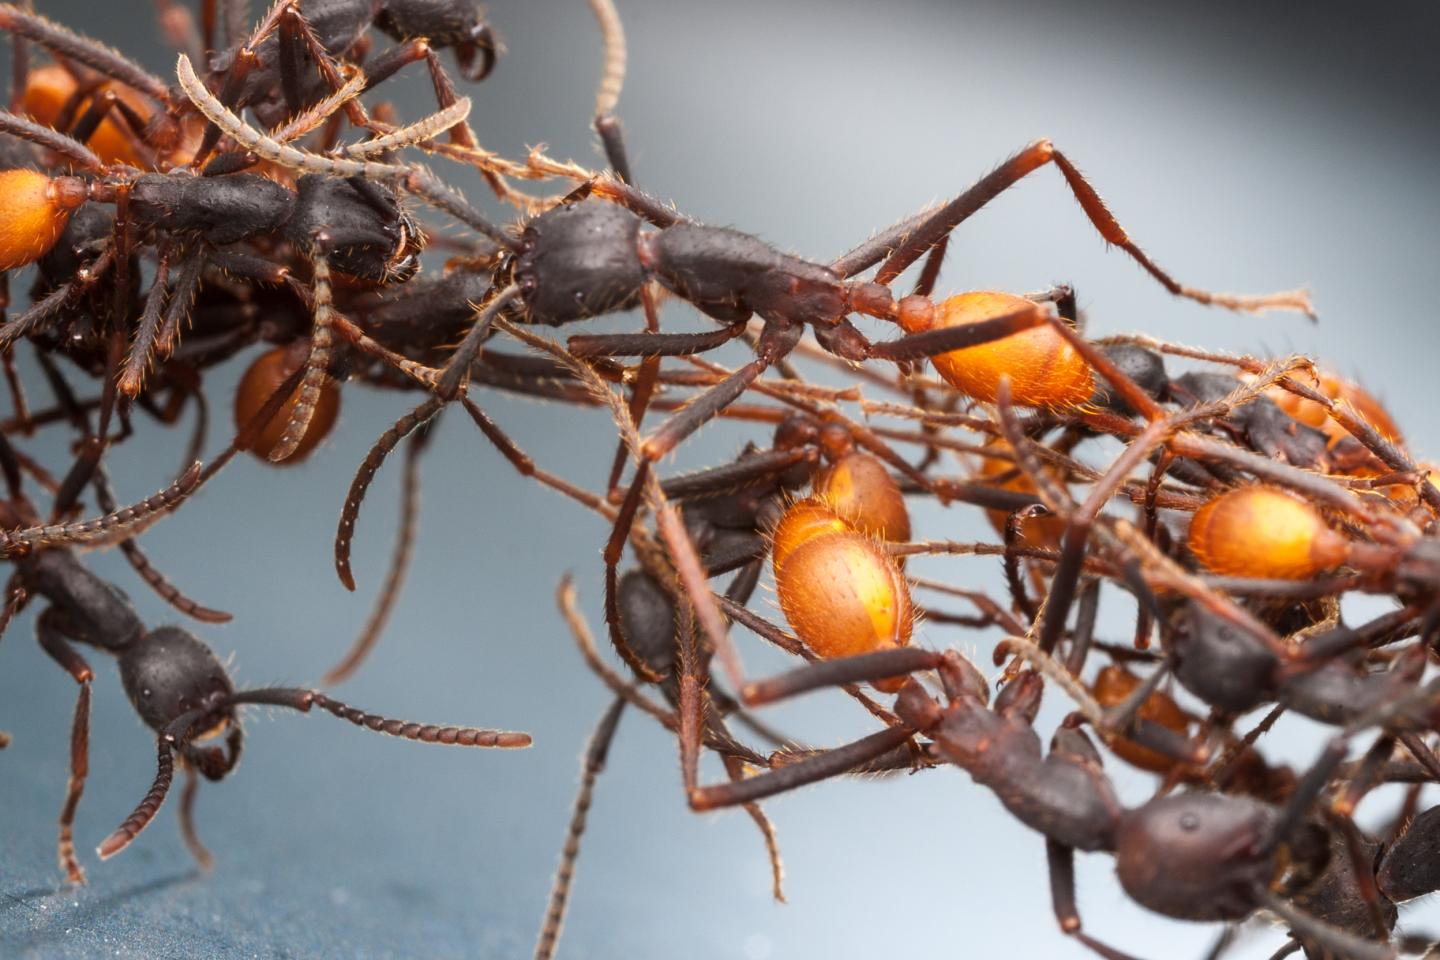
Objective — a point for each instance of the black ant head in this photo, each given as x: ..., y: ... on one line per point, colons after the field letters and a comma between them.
x: 446, y: 23
x: 1218, y: 662
x: 170, y: 672
x: 1198, y: 856
x: 358, y: 226
x: 579, y: 260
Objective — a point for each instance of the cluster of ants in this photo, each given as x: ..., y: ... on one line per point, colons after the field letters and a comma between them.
x: 168, y: 224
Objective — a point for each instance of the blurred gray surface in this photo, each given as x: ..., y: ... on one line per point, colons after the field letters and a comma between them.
x: 1246, y: 149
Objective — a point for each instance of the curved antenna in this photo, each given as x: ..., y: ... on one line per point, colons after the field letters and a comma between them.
x: 297, y: 698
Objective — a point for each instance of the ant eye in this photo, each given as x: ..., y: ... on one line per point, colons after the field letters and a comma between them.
x: 1189, y: 822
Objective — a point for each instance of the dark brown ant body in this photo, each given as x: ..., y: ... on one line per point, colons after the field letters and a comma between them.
x: 175, y: 683
x: 1192, y: 856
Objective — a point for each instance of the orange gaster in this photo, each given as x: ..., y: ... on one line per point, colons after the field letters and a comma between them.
x: 261, y: 380
x: 1044, y: 532
x: 839, y: 590
x: 1336, y: 388
x: 863, y: 494
x: 51, y: 87
x: 1044, y: 370
x: 1267, y: 533
x: 33, y: 211
x: 1112, y: 686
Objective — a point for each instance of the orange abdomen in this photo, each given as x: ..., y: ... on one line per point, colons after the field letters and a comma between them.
x: 261, y: 380
x: 1265, y: 533
x: 863, y: 494
x: 1044, y: 370
x: 1112, y: 686
x: 839, y: 591
x: 33, y: 211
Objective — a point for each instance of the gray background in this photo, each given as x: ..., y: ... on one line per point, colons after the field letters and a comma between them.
x: 1247, y: 149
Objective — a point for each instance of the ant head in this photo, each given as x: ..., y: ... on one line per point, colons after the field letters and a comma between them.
x: 1197, y: 856
x: 578, y: 260
x: 358, y: 226
x: 169, y: 672
x: 1218, y: 662
x: 445, y: 23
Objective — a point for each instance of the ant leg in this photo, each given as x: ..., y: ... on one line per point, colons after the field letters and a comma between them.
x: 820, y: 766
x: 878, y: 247
x: 614, y: 550
x: 350, y: 512
x: 595, y: 755
x: 187, y: 822
x: 182, y: 299
x: 148, y: 330
x: 1061, y: 861
x: 651, y: 344
x: 399, y: 561
x: 944, y: 339
x: 40, y: 135
x: 735, y: 770
x: 93, y: 54
x: 142, y: 566
x: 20, y: 62
x: 457, y: 368
x: 643, y: 388
x: 1334, y: 940
x: 881, y: 665
x: 776, y: 342
x: 52, y: 640
x: 1031, y: 158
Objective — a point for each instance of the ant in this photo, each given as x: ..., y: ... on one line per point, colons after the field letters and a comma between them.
x: 288, y: 63
x: 592, y: 256
x: 1224, y: 857
x: 174, y: 681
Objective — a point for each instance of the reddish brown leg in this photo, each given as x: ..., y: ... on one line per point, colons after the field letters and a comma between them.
x: 187, y: 822
x: 399, y: 562
x: 775, y: 343
x: 350, y: 512
x: 1061, y: 860
x: 614, y: 550
x: 52, y: 640
x: 1016, y: 168
x: 132, y: 375
x: 735, y: 770
x: 595, y: 754
x: 821, y: 766
x: 146, y: 570
x: 644, y: 387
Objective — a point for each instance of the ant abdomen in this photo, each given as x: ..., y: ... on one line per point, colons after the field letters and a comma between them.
x: 580, y: 260
x: 839, y: 590
x: 260, y: 381
x: 1266, y: 533
x: 1044, y: 370
x: 647, y: 619
x: 36, y: 209
x: 864, y: 494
